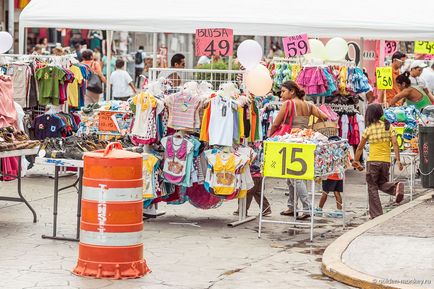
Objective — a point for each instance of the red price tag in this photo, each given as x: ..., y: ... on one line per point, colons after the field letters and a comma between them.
x: 390, y: 47
x: 214, y: 41
x: 296, y: 45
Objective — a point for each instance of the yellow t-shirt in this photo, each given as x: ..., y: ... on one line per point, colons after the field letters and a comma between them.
x: 379, y: 142
x: 73, y: 93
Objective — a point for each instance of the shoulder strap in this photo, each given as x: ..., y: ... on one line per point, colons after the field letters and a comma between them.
x: 287, y: 103
x: 293, y: 111
x: 418, y: 88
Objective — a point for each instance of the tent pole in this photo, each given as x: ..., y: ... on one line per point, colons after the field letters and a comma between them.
x: 21, y: 39
x: 154, y: 52
x: 11, y: 19
x: 109, y: 62
x: 362, y: 51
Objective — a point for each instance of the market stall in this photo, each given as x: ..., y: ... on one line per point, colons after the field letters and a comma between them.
x: 301, y: 156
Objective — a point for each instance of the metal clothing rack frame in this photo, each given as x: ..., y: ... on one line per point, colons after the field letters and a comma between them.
x: 310, y: 224
x: 217, y: 77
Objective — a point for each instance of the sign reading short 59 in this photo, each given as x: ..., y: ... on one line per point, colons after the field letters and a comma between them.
x: 384, y: 77
x: 289, y: 160
x: 214, y: 41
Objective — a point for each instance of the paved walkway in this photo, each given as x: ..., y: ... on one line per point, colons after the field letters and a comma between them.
x: 395, y: 250
x: 188, y: 248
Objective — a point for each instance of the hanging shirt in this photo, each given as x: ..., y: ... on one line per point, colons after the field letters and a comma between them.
x: 147, y: 107
x: 182, y: 110
x: 21, y: 81
x: 49, y: 79
x: 48, y: 126
x: 149, y: 166
x: 221, y: 124
x: 73, y: 88
x: 177, y: 151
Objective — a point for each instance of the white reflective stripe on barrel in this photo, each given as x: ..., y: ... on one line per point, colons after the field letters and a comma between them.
x: 112, y: 195
x: 110, y: 239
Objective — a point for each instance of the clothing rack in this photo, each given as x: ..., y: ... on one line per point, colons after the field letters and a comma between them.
x: 27, y: 57
x: 343, y: 107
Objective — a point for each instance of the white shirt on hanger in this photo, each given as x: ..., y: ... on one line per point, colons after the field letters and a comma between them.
x: 221, y: 124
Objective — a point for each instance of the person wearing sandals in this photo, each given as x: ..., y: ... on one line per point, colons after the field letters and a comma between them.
x: 300, y: 111
x: 335, y: 184
x: 379, y: 135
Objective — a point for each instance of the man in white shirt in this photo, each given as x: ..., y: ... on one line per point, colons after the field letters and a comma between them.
x: 416, y: 70
x: 122, y: 83
x: 428, y: 76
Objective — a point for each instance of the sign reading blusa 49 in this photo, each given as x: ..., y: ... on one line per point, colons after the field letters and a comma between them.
x: 289, y: 160
x: 214, y: 42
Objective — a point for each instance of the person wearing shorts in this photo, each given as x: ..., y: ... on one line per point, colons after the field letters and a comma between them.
x: 336, y: 185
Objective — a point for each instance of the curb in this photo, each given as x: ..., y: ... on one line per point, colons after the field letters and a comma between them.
x: 333, y: 266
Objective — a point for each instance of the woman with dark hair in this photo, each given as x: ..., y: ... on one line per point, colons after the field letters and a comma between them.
x: 294, y: 105
x: 95, y: 67
x: 413, y: 95
x: 379, y: 135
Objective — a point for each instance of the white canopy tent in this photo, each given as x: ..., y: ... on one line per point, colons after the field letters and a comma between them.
x: 370, y: 19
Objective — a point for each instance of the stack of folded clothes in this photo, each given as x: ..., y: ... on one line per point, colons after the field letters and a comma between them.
x: 12, y: 139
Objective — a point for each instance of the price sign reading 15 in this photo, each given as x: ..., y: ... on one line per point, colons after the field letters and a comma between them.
x: 296, y: 45
x: 214, y: 41
x: 289, y: 160
x: 384, y: 77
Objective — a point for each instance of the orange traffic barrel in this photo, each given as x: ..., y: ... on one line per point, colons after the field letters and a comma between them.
x: 112, y: 215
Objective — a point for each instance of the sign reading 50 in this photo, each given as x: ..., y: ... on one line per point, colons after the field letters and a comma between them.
x: 289, y: 160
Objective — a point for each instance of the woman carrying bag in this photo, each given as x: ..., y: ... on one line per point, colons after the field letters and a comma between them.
x: 96, y: 79
x: 295, y: 113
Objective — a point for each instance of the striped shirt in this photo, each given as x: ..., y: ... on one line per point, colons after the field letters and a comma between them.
x: 182, y: 110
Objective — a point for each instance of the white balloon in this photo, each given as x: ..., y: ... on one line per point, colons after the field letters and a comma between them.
x: 249, y: 53
x: 258, y: 81
x: 337, y: 49
x: 6, y: 41
x: 317, y: 50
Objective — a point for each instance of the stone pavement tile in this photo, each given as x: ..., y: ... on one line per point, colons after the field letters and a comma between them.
x: 285, y: 269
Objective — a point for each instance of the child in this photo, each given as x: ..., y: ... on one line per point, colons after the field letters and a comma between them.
x: 379, y: 135
x: 333, y: 184
x: 122, y: 83
x: 336, y: 185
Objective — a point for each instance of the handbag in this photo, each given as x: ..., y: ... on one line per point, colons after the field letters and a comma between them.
x: 285, y: 128
x: 94, y: 83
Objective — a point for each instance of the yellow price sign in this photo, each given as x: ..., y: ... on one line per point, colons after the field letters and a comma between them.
x: 384, y: 77
x: 289, y: 160
x: 399, y: 130
x: 424, y: 47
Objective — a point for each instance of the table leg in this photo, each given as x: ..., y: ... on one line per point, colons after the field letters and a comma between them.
x: 312, y: 211
x: 55, y: 208
x: 20, y: 192
x: 80, y: 191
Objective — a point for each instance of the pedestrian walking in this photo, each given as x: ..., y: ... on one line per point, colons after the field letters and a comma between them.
x: 122, y: 83
x: 379, y: 134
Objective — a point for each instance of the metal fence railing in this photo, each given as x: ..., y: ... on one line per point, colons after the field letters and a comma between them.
x: 212, y: 76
